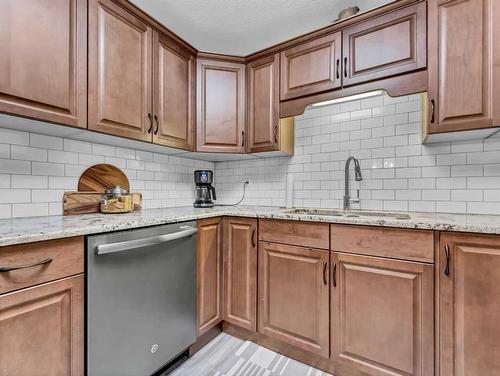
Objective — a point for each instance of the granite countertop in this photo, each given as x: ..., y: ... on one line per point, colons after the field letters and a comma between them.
x: 25, y: 230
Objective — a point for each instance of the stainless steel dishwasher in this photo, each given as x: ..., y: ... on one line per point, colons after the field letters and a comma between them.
x: 140, y: 298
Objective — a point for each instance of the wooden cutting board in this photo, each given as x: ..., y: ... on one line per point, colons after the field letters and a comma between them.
x: 100, y: 177
x: 92, y: 184
x: 90, y: 202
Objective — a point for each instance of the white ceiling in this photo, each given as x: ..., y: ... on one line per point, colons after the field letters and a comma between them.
x: 240, y: 27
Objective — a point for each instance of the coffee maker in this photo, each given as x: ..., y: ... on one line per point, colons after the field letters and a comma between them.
x: 205, y: 192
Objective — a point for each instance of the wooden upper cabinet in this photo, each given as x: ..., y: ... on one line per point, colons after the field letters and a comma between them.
x: 208, y: 274
x: 311, y: 67
x: 220, y: 106
x: 384, y: 46
x: 382, y: 317
x: 43, y: 60
x: 240, y: 272
x: 463, y: 80
x: 294, y: 296
x: 263, y: 104
x: 41, y: 329
x: 174, y: 94
x: 469, y: 307
x: 120, y: 77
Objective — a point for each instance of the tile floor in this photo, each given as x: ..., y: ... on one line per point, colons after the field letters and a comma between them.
x: 230, y: 356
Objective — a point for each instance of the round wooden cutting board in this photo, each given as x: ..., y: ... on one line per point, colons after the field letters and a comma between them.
x: 100, y: 177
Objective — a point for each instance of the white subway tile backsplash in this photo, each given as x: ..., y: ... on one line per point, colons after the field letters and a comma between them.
x: 29, y: 181
x: 399, y: 172
x: 30, y: 210
x: 27, y: 153
x: 46, y: 142
x: 9, y: 166
x: 4, y: 151
x: 14, y: 137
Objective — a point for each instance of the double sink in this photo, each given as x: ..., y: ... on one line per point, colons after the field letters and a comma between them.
x: 350, y: 213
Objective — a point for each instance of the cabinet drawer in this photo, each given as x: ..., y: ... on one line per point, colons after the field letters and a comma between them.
x: 57, y: 258
x: 414, y: 245
x: 295, y: 233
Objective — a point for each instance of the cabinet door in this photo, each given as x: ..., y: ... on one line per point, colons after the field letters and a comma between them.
x: 220, y: 106
x: 43, y: 60
x: 311, y: 67
x: 208, y: 274
x: 120, y: 78
x: 174, y: 94
x: 469, y: 305
x: 41, y: 329
x: 388, y: 45
x: 460, y: 67
x: 240, y: 272
x: 294, y: 296
x: 382, y: 315
x: 263, y: 104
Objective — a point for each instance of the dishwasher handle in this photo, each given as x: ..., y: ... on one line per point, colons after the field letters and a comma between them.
x: 145, y: 242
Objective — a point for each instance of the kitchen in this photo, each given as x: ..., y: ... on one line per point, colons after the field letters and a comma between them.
x: 315, y: 192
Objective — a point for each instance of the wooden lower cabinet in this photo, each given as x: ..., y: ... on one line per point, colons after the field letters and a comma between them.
x: 469, y: 305
x: 208, y: 274
x: 382, y: 315
x: 294, y: 296
x: 41, y: 329
x: 240, y: 272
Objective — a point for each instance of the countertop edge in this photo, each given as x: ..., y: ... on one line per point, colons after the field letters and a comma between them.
x: 418, y: 221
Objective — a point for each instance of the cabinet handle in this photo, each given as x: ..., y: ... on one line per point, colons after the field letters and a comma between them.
x: 338, y: 68
x: 276, y: 133
x: 334, y: 274
x: 253, y: 237
x: 242, y: 138
x: 150, y: 122
x: 447, y: 255
x: 433, y: 111
x: 12, y: 268
x: 157, y: 125
x: 345, y: 67
x: 325, y: 281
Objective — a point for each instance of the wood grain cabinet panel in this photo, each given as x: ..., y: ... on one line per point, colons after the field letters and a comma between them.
x: 263, y: 104
x: 469, y: 305
x: 174, y: 94
x: 120, y: 72
x: 41, y: 330
x: 384, y: 46
x: 404, y: 244
x: 43, y: 60
x: 208, y: 274
x: 462, y: 77
x: 221, y: 106
x: 46, y: 261
x: 240, y: 272
x: 382, y: 315
x: 294, y: 296
x: 311, y: 67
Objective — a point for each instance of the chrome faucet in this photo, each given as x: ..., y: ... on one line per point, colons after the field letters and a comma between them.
x: 357, y: 177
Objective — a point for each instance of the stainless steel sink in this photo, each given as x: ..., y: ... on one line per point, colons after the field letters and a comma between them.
x: 350, y: 213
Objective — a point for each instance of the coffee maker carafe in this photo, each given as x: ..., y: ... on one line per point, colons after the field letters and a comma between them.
x: 205, y: 192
